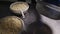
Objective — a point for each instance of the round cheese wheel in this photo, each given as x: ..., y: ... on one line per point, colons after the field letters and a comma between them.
x: 11, y: 25
x: 17, y: 7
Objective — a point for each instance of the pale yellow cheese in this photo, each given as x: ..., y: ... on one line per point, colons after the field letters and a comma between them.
x: 19, y: 6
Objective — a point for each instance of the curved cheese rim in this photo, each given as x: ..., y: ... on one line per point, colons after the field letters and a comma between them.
x: 17, y: 3
x: 22, y: 22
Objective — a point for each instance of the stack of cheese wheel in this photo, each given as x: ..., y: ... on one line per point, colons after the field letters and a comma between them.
x: 11, y: 25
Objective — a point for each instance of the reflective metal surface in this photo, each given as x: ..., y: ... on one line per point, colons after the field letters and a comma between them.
x: 43, y: 8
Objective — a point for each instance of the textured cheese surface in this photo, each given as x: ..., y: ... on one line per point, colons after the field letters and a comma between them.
x: 19, y: 6
x: 10, y: 25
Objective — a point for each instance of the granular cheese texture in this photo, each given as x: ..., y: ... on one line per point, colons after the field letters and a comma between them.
x: 10, y: 25
x: 19, y: 6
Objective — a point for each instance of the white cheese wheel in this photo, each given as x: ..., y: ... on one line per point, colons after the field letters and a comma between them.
x: 17, y: 7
